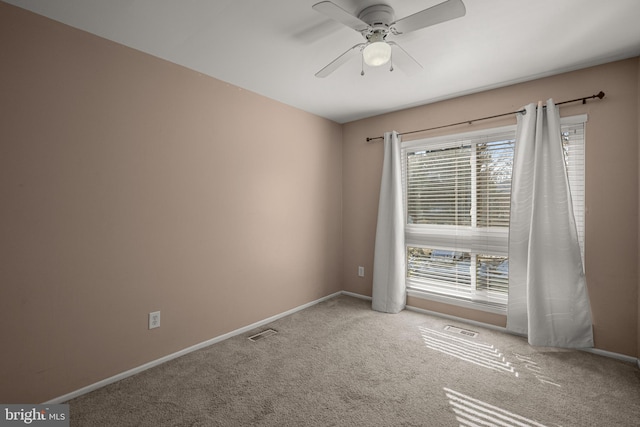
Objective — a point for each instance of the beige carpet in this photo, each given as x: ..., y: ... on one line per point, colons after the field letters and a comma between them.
x: 339, y: 363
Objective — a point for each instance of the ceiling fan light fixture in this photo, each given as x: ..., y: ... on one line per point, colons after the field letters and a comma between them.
x: 376, y: 53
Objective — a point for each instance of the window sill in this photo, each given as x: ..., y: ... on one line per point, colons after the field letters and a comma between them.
x: 488, y: 307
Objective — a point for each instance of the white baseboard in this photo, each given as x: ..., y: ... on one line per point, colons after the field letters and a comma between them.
x: 134, y: 371
x: 352, y: 294
x: 613, y: 355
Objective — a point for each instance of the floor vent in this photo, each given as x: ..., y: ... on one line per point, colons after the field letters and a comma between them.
x: 264, y: 334
x: 461, y: 331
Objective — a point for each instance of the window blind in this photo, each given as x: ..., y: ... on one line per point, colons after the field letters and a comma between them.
x: 573, y: 142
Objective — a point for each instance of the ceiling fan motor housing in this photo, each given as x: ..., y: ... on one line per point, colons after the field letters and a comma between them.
x: 377, y: 15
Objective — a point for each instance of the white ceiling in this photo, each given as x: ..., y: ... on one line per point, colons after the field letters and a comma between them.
x: 274, y: 47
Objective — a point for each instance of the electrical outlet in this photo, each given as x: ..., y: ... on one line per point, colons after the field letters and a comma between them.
x: 154, y: 320
x: 361, y: 271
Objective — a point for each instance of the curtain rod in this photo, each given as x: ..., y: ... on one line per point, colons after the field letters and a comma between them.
x: 599, y: 95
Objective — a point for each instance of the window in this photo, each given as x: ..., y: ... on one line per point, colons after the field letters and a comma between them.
x: 457, y: 194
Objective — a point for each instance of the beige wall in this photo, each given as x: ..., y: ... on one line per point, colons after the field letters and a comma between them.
x: 129, y: 185
x: 638, y: 122
x: 611, y: 185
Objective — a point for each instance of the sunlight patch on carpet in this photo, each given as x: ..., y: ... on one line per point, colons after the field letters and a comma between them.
x: 535, y: 369
x: 474, y: 412
x: 485, y: 355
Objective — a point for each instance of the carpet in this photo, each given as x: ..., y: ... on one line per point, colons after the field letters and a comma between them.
x: 338, y: 363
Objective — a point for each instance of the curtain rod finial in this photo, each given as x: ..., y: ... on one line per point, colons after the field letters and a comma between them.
x: 599, y: 95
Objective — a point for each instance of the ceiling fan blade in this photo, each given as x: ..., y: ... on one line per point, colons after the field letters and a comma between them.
x: 337, y: 13
x: 404, y: 60
x: 442, y: 12
x: 336, y: 63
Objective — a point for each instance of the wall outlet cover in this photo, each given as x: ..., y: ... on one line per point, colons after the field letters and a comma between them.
x: 154, y: 320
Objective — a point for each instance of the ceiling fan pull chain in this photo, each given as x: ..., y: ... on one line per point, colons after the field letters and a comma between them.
x: 362, y: 64
x: 391, y: 63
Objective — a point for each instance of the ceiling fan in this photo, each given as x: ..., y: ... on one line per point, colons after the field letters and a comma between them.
x: 375, y: 23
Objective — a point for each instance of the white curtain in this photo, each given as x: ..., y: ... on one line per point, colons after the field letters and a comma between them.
x: 389, y: 293
x: 548, y: 298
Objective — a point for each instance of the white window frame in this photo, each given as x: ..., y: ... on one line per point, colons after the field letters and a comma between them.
x: 494, y: 240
